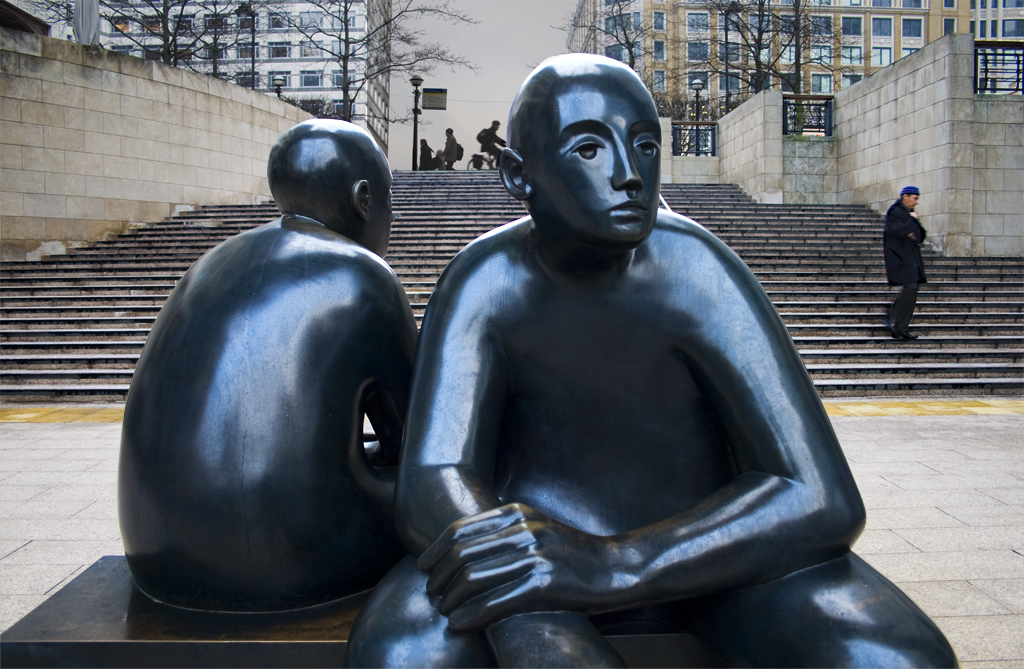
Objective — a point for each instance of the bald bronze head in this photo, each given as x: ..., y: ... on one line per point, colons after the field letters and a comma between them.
x: 584, y: 151
x: 334, y: 173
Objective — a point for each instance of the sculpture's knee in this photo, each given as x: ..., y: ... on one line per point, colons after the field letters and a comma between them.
x: 839, y: 614
x: 399, y: 627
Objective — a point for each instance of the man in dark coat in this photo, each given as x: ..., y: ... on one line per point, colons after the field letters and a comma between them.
x: 451, y: 150
x: 902, y: 241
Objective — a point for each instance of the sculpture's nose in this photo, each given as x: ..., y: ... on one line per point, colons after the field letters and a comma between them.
x: 624, y: 174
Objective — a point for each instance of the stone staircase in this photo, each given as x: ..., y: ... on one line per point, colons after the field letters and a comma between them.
x: 72, y: 327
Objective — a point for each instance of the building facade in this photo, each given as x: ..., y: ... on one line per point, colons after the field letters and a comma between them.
x: 294, y: 42
x: 845, y: 40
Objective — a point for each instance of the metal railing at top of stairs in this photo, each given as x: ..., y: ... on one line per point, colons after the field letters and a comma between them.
x: 807, y: 115
x: 999, y: 67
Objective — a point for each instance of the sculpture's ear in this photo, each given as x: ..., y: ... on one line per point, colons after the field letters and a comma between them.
x: 513, y: 175
x: 361, y: 199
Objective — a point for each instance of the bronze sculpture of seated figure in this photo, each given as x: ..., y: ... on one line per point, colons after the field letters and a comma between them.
x: 610, y: 429
x: 244, y: 484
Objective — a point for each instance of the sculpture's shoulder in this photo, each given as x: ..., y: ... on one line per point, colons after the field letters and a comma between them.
x: 289, y: 258
x: 688, y: 249
x: 491, y: 259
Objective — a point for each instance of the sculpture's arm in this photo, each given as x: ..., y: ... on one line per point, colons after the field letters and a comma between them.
x: 793, y: 503
x: 388, y: 333
x: 454, y: 413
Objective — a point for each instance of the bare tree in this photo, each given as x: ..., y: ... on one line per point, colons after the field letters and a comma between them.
x: 760, y: 44
x: 385, y: 44
x: 615, y: 28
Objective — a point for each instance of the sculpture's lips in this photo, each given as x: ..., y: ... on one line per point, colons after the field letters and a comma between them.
x: 631, y: 209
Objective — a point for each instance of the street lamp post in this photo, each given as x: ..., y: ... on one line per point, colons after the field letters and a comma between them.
x: 278, y: 83
x: 416, y: 82
x: 730, y: 9
x: 245, y: 9
x: 697, y: 85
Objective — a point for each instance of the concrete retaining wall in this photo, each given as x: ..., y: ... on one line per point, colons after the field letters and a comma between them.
x: 919, y: 122
x: 92, y: 141
x: 750, y: 147
x: 809, y: 170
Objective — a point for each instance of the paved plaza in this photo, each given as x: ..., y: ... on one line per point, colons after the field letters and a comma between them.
x: 943, y: 482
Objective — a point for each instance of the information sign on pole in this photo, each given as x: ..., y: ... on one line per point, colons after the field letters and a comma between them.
x: 435, y: 98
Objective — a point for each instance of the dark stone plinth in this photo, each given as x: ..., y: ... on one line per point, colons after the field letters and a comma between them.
x: 101, y: 619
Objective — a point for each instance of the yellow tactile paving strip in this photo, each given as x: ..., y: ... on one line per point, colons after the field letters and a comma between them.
x: 42, y: 414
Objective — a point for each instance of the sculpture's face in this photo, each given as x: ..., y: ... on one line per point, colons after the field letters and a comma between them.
x: 595, y: 164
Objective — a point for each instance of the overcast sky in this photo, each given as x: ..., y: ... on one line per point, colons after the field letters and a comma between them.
x: 512, y: 36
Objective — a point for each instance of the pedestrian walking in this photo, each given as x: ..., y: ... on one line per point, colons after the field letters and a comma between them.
x: 451, y: 150
x: 904, y: 267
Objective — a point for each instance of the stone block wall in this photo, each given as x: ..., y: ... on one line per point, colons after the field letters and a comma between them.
x: 809, y: 170
x: 918, y: 122
x: 696, y: 170
x: 92, y: 141
x: 750, y: 147
x: 997, y: 205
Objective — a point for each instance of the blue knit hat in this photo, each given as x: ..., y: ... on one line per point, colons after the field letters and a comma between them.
x: 910, y: 190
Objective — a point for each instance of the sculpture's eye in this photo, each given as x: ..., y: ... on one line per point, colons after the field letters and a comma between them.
x: 648, y: 147
x: 587, y: 151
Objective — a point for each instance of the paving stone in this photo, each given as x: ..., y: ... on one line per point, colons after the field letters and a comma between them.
x: 937, y: 540
x: 883, y: 519
x: 949, y: 566
x: 953, y: 598
x: 62, y: 552
x: 985, y: 637
x: 882, y: 541
x: 1007, y: 591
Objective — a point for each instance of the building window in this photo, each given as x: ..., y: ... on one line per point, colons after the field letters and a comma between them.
x: 696, y: 51
x: 245, y: 52
x: 309, y: 49
x: 851, y: 79
x: 123, y: 50
x: 949, y: 26
x: 730, y: 83
x: 855, y: 3
x: 788, y: 54
x: 659, y: 80
x: 244, y: 79
x: 1013, y: 28
x: 696, y: 22
x: 246, y: 22
x: 339, y: 81
x: 912, y: 27
x: 310, y: 20
x: 278, y: 22
x: 949, y: 4
x: 982, y: 25
x: 822, y: 54
x: 614, y: 51
x: 702, y: 77
x: 121, y: 24
x: 215, y: 23
x: 912, y: 4
x: 853, y: 55
x: 287, y: 76
x: 1009, y: 4
x: 279, y: 50
x: 821, y: 83
x: 881, y: 3
x: 853, y: 26
x: 881, y: 56
x: 659, y: 50
x: 210, y: 53
x: 659, y: 20
x: 821, y: 26
x: 907, y: 52
x: 152, y: 24
x: 309, y: 79
x: 881, y: 27
x: 728, y: 51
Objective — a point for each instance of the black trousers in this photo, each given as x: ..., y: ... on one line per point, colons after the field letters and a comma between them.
x: 902, y: 308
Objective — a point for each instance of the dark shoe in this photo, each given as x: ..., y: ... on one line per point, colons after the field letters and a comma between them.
x: 903, y: 336
x: 909, y: 335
